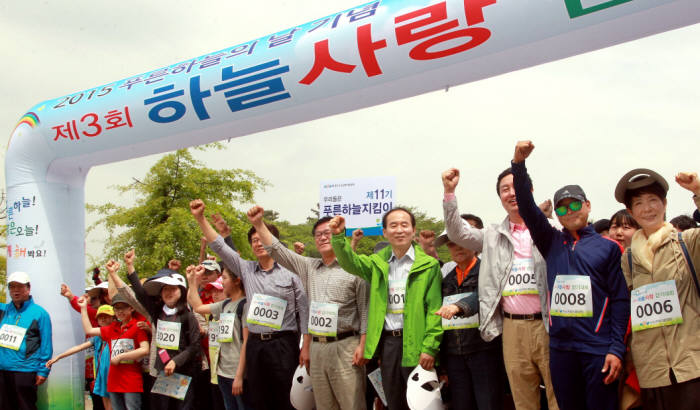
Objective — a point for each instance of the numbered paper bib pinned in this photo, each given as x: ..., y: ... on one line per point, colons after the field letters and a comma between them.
x: 572, y: 296
x: 213, y: 333
x: 397, y: 295
x: 11, y: 336
x: 168, y: 335
x: 323, y: 319
x: 655, y: 305
x: 266, y: 310
x: 521, y: 279
x: 90, y: 352
x: 226, y: 322
x: 459, y: 322
x: 120, y: 346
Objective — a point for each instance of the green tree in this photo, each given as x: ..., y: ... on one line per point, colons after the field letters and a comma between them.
x: 159, y: 225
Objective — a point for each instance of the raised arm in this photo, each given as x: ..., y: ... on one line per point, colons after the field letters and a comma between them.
x: 285, y: 257
x: 541, y: 230
x: 87, y: 326
x: 458, y: 230
x: 197, y: 210
x: 358, y: 265
x: 193, y: 275
x: 140, y: 293
x: 227, y: 254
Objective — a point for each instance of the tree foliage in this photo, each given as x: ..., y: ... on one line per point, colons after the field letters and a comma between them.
x: 159, y: 225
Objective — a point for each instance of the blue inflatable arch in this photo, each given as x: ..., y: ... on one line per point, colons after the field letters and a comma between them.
x: 371, y: 54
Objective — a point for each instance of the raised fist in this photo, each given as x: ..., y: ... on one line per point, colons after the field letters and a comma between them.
x: 523, y: 149
x: 337, y: 225
x: 450, y: 179
x: 197, y: 208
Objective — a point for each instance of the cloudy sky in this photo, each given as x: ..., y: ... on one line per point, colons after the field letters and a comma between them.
x: 592, y: 117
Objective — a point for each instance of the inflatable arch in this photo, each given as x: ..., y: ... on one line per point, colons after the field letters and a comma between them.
x: 374, y: 53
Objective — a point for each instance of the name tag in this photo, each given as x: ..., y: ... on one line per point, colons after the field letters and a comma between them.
x: 572, y: 296
x: 397, y: 295
x: 521, y: 280
x: 323, y: 319
x: 655, y: 305
x: 11, y: 336
x: 226, y: 323
x: 458, y: 322
x: 120, y: 346
x: 168, y: 335
x: 266, y: 310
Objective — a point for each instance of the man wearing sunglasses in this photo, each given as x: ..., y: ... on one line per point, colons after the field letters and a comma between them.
x: 589, y: 303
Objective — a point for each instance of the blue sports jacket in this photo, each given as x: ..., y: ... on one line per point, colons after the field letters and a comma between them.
x: 36, y: 348
x: 590, y: 254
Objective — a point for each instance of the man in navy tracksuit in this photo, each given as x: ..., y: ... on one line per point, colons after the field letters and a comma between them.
x: 589, y: 301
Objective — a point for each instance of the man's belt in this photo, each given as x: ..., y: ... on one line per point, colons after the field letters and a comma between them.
x: 271, y: 335
x: 393, y: 333
x: 340, y: 336
x: 532, y: 316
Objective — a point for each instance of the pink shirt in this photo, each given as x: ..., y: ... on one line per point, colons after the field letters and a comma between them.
x: 521, y: 304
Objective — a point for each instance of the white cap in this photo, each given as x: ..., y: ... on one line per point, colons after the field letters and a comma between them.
x: 423, y: 390
x: 302, y: 394
x: 19, y: 277
x: 154, y: 286
x: 94, y: 291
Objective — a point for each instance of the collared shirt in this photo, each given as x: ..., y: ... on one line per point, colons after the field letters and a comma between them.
x: 277, y: 282
x: 328, y: 284
x: 521, y: 304
x: 398, y: 270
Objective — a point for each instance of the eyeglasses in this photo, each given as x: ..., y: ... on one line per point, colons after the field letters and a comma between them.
x: 319, y: 235
x: 574, y: 206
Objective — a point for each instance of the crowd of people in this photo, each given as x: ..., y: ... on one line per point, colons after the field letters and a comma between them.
x: 558, y: 314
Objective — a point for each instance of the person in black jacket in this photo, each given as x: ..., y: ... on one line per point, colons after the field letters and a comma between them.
x: 474, y: 366
x: 164, y: 296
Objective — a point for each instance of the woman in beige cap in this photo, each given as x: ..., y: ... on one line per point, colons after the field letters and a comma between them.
x: 659, y: 269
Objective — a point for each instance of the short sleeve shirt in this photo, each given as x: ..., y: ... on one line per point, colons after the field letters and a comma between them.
x: 124, y: 377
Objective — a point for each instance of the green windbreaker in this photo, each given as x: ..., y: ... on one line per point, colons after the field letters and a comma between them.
x: 422, y: 327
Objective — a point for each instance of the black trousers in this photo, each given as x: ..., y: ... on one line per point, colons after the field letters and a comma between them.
x: 17, y: 390
x: 271, y: 365
x: 394, y: 376
x: 677, y: 396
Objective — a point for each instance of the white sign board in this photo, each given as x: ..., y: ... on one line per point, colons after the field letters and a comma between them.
x: 362, y: 201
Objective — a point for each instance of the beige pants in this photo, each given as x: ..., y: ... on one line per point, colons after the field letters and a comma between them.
x: 526, y: 356
x: 336, y: 382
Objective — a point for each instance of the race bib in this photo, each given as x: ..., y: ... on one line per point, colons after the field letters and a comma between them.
x: 459, y: 322
x: 267, y: 311
x: 323, y: 319
x: 572, y: 296
x: 521, y: 279
x: 120, y: 346
x: 168, y: 335
x: 226, y: 322
x: 213, y: 333
x: 655, y: 305
x: 397, y: 295
x: 11, y: 336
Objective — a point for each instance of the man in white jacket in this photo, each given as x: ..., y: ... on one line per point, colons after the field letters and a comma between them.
x: 512, y: 290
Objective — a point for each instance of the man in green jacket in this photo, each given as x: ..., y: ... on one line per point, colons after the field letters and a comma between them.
x: 405, y: 293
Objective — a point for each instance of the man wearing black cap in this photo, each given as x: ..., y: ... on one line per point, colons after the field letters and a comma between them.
x: 589, y: 302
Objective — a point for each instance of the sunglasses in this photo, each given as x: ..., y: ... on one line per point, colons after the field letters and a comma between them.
x: 574, y: 206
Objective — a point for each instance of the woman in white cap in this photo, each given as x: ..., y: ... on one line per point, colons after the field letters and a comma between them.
x: 659, y: 267
x: 177, y: 332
